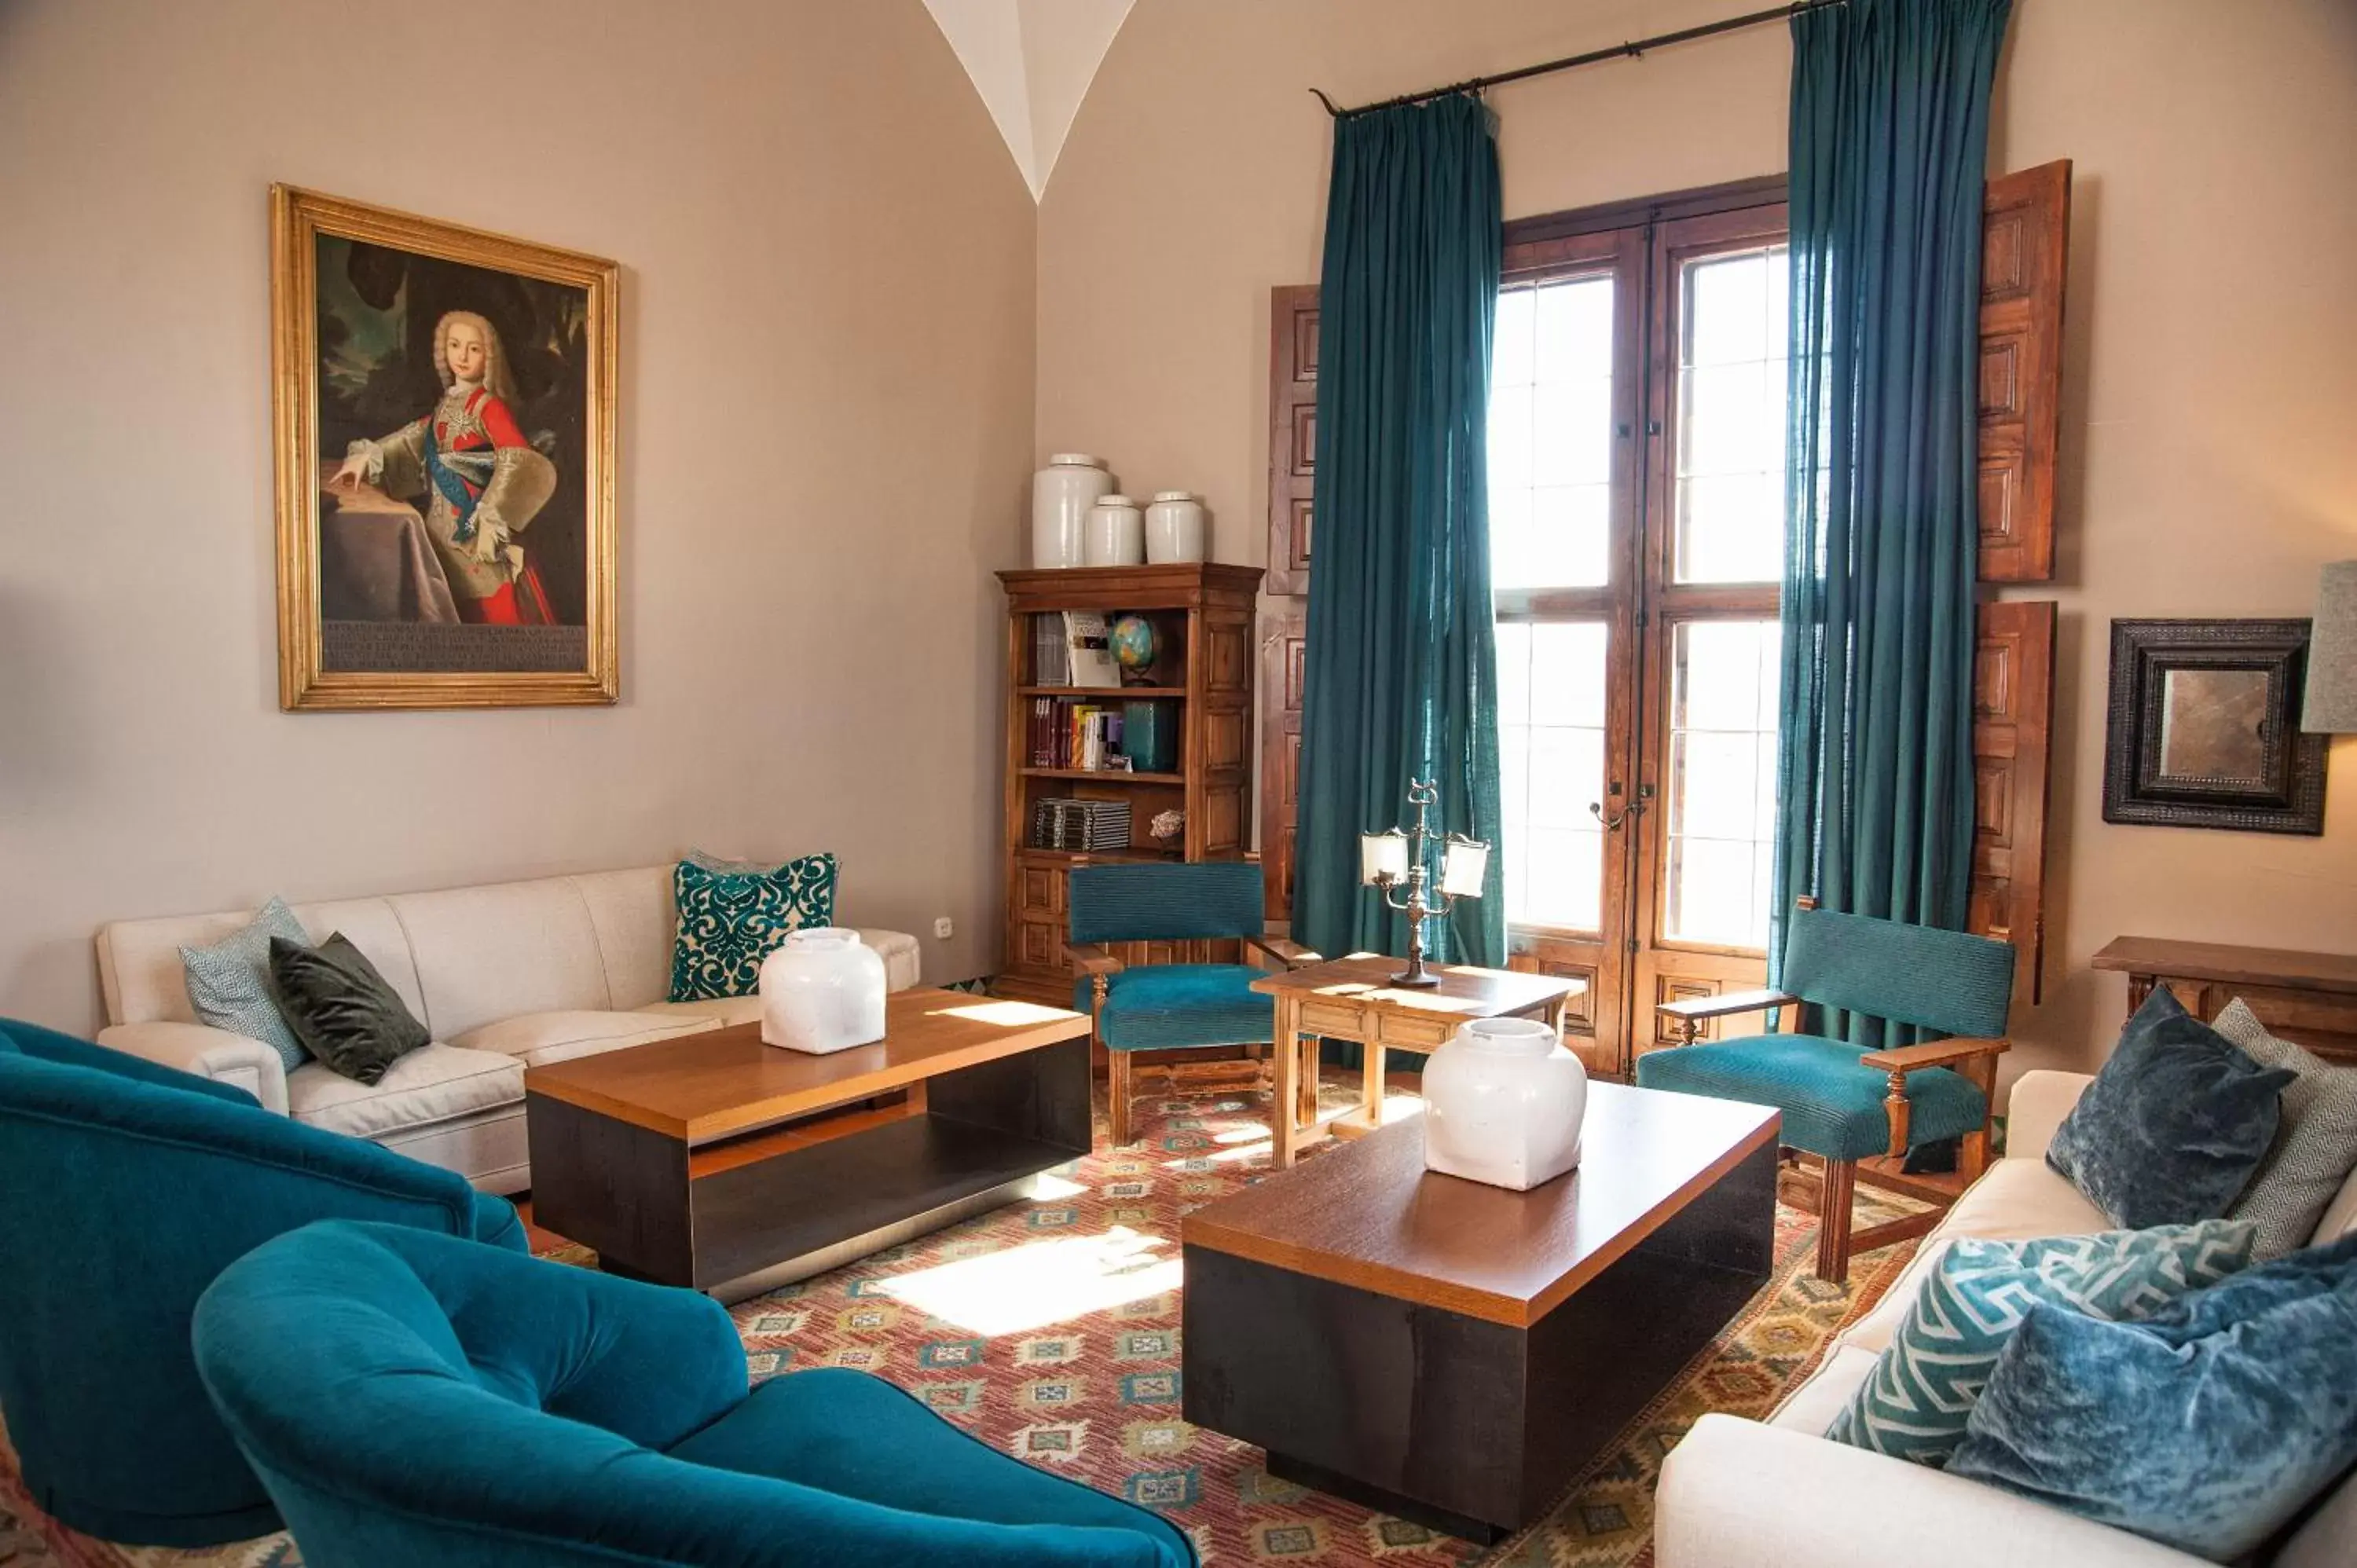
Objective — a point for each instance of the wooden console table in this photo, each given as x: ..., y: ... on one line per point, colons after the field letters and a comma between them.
x: 2311, y: 997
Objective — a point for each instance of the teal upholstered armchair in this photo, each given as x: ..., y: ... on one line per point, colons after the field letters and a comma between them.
x: 416, y: 1399
x: 1841, y: 1102
x: 126, y: 1187
x: 1169, y: 1006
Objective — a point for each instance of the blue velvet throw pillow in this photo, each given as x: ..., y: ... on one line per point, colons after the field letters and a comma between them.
x: 2206, y: 1426
x: 2174, y: 1125
x: 730, y: 920
x: 1921, y: 1393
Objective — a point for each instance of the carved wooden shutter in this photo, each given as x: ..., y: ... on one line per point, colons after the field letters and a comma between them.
x: 2025, y: 229
x: 1292, y: 434
x: 1284, y: 642
x: 2013, y: 712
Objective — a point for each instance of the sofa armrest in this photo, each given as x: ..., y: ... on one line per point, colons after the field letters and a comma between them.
x: 209, y: 1053
x: 1734, y: 1494
x: 903, y: 960
x: 2040, y: 1100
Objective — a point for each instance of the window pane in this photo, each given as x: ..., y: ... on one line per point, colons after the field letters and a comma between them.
x: 1551, y: 762
x: 1551, y: 436
x: 1722, y: 795
x: 1731, y: 401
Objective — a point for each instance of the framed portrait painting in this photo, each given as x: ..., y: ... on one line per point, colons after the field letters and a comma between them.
x: 443, y: 405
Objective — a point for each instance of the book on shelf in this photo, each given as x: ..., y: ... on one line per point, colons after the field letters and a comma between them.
x: 1070, y: 733
x: 1089, y: 643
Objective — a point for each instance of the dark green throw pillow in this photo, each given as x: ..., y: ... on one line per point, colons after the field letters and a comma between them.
x: 340, y: 1007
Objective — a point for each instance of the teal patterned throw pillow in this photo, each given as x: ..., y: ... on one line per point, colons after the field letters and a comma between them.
x: 730, y: 920
x: 229, y: 983
x: 1920, y: 1397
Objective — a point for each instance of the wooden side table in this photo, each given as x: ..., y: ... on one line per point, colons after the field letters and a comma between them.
x: 2310, y: 997
x: 1354, y: 999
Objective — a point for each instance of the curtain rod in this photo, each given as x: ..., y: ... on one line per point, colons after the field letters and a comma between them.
x: 1594, y: 57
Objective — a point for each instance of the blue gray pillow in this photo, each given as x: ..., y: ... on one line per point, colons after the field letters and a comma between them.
x: 1915, y: 1403
x: 229, y: 982
x: 2315, y: 1147
x: 2173, y: 1126
x: 730, y: 920
x: 2207, y: 1426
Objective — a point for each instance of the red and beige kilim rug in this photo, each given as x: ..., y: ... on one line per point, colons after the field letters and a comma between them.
x: 1052, y: 1330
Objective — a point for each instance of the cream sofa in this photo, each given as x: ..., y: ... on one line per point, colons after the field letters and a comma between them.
x: 506, y: 976
x: 1741, y: 1494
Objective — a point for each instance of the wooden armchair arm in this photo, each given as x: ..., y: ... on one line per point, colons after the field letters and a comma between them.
x: 1094, y: 958
x: 1688, y: 1015
x: 1287, y: 954
x: 1901, y: 1060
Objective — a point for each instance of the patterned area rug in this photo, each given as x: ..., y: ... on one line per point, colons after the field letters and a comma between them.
x: 1052, y: 1330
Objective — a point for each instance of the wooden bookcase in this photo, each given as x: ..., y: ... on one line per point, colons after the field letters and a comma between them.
x: 1203, y: 615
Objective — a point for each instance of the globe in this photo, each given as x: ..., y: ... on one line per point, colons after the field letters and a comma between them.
x: 1133, y: 642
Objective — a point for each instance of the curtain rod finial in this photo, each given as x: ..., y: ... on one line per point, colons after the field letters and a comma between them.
x: 1321, y: 98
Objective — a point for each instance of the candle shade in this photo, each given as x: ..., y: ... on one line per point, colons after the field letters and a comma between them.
x: 2331, y: 705
x: 1463, y: 866
x: 1383, y: 856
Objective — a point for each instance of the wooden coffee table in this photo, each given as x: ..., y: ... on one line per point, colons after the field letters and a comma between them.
x: 731, y: 1167
x: 1353, y: 999
x: 1451, y: 1352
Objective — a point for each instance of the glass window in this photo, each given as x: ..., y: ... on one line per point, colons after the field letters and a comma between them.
x: 1722, y: 782
x: 1730, y: 402
x: 1551, y: 766
x: 1551, y: 436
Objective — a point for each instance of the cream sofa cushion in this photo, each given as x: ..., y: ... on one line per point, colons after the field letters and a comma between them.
x: 431, y: 1083
x: 1810, y: 1408
x: 491, y: 952
x: 636, y: 921
x: 537, y: 1039
x: 139, y: 961
x: 720, y: 1011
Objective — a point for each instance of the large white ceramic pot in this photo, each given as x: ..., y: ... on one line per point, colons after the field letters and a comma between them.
x: 1503, y: 1104
x: 822, y: 990
x: 1115, y: 533
x: 1061, y: 494
x: 1174, y: 528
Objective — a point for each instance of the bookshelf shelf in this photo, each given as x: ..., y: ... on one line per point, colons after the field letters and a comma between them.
x: 1203, y: 620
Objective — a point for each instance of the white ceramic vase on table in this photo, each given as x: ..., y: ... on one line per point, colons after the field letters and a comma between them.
x: 1174, y: 527
x: 1503, y: 1104
x: 1115, y: 535
x: 822, y: 991
x: 1061, y: 494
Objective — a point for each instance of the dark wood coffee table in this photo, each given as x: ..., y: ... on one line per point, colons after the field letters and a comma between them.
x: 731, y: 1167
x: 1451, y: 1352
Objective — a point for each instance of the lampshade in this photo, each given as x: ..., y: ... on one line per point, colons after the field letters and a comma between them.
x: 1382, y: 857
x: 2331, y: 707
x: 1462, y: 866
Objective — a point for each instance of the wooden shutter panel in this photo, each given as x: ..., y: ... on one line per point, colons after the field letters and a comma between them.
x: 2025, y: 233
x: 1284, y: 647
x: 1292, y: 433
x: 2013, y: 712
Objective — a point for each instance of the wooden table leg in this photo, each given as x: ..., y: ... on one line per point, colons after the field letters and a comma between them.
x: 1371, y: 1086
x: 1283, y: 1116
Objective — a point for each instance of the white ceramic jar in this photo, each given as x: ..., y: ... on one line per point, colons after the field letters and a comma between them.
x: 1115, y: 535
x: 1061, y: 494
x: 822, y: 990
x: 1174, y: 527
x: 1503, y: 1104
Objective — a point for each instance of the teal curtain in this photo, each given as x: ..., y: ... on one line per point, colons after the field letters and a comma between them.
x: 1402, y: 671
x: 1889, y: 136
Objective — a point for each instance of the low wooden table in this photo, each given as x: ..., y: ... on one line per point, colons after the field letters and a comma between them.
x: 2310, y: 997
x: 731, y: 1167
x: 1353, y: 999
x: 1451, y: 1352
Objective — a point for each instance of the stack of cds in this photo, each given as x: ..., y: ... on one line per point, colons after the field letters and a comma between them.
x: 1080, y: 824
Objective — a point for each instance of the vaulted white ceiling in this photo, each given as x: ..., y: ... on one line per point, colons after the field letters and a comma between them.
x: 1032, y: 61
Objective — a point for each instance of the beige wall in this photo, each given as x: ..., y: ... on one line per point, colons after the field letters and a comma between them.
x: 825, y: 431
x: 2208, y: 461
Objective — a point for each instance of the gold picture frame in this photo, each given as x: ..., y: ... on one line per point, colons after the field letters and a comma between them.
x: 460, y: 552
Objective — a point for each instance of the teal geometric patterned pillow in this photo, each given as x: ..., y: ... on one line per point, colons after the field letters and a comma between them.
x: 730, y: 920
x: 1917, y: 1401
x: 229, y: 983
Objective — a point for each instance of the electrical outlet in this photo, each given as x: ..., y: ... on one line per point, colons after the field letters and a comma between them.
x: 945, y: 928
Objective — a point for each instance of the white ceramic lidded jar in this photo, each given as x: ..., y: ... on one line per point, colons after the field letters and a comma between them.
x: 1115, y: 535
x: 1174, y: 527
x: 1061, y: 494
x: 822, y: 990
x: 1503, y: 1104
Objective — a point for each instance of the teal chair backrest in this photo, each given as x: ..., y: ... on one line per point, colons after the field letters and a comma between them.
x: 1143, y: 902
x: 1951, y: 981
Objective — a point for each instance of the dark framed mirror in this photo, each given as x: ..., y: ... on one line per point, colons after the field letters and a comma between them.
x: 2204, y: 727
